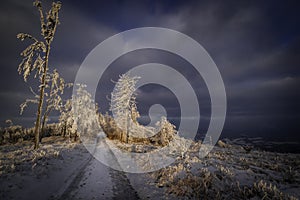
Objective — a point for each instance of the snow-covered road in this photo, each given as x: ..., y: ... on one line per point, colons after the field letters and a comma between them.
x: 97, y: 181
x: 92, y: 182
x: 72, y: 174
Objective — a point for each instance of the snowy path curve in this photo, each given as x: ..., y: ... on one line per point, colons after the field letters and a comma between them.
x: 94, y: 180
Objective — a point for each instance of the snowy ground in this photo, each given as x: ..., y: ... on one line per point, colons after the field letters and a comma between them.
x: 39, y: 174
x: 231, y: 172
x: 58, y: 170
x: 65, y: 170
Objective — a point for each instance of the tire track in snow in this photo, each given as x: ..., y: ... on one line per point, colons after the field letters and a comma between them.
x: 96, y: 181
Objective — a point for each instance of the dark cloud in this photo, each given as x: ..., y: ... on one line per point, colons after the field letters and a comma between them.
x: 254, y: 44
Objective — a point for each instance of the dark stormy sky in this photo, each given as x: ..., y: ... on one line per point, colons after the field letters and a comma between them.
x: 255, y: 44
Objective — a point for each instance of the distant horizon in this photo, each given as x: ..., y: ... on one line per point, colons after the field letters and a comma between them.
x: 230, y: 134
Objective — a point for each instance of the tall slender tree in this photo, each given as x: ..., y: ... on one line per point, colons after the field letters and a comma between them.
x: 123, y: 104
x: 36, y: 56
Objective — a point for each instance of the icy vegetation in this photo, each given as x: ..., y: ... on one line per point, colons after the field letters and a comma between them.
x: 234, y: 169
x: 36, y: 60
x: 231, y: 172
x: 27, y: 173
x: 228, y: 172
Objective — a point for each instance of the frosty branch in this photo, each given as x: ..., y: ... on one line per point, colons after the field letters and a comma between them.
x: 36, y: 56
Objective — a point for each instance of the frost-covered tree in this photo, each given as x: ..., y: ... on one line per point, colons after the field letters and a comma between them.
x: 66, y: 118
x: 54, y: 88
x: 79, y: 115
x: 123, y: 103
x: 85, y: 113
x: 124, y: 125
x: 36, y: 56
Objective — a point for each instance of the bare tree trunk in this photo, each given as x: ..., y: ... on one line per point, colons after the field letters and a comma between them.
x: 46, y: 114
x: 65, y: 129
x: 45, y: 117
x: 128, y: 126
x: 75, y: 139
x: 41, y: 100
x: 43, y: 127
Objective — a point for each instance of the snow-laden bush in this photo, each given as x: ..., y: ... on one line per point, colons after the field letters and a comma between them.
x: 79, y: 116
